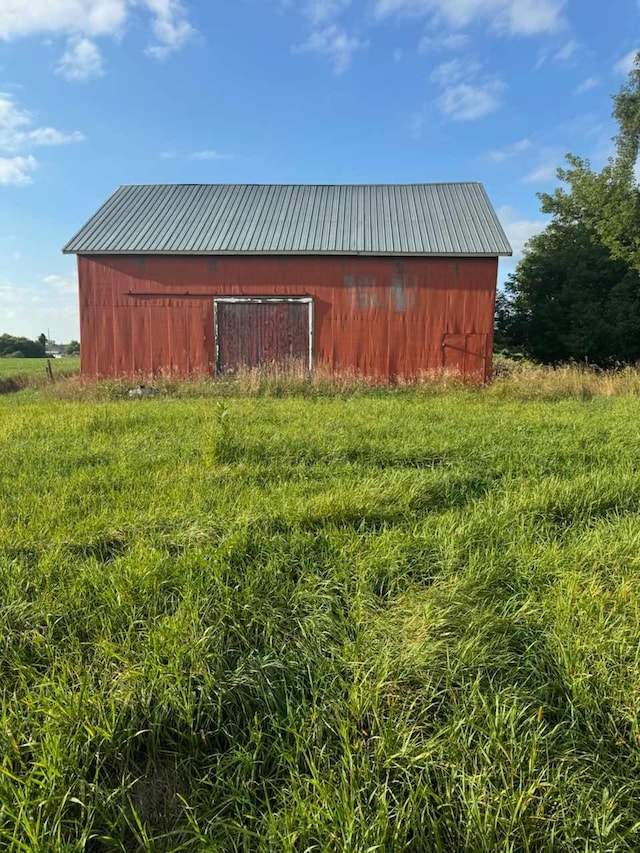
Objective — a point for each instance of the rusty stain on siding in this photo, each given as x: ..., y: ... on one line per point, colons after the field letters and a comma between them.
x: 405, y: 295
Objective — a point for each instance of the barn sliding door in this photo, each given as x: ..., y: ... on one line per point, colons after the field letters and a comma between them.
x: 253, y: 332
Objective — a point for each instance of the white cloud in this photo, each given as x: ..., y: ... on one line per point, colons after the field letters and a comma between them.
x: 205, y: 154
x: 82, y: 21
x: 510, y: 17
x: 447, y: 73
x: 31, y: 309
x: 446, y: 41
x: 170, y: 27
x: 587, y: 85
x: 471, y: 101
x: 17, y: 135
x: 81, y: 61
x: 17, y: 131
x: 51, y: 136
x: 61, y: 17
x: 333, y: 43
x: 467, y: 94
x: 541, y: 174
x: 62, y: 283
x: 321, y: 11
x: 16, y: 171
x: 210, y: 155
x: 518, y: 230
x: 626, y: 63
x: 499, y: 155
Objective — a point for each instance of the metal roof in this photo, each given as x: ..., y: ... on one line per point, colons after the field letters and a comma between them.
x: 238, y: 219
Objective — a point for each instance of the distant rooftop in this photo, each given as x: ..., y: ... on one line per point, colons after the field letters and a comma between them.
x: 454, y: 219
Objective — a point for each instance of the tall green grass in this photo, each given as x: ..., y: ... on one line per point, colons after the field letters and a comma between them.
x: 35, y: 367
x: 366, y: 620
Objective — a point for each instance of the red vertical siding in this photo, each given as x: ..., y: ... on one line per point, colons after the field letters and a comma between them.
x: 380, y: 316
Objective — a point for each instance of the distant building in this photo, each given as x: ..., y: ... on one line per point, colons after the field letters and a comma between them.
x: 54, y: 350
x: 386, y: 280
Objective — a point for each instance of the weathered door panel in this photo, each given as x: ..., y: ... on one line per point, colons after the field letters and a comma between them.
x: 255, y: 333
x: 466, y: 355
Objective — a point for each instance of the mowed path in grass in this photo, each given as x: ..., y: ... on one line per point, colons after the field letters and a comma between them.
x: 383, y: 622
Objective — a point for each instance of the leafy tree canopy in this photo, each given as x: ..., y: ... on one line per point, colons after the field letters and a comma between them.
x: 20, y: 347
x: 576, y: 292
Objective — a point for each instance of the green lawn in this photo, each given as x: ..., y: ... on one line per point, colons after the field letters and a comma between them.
x: 11, y: 367
x: 390, y: 622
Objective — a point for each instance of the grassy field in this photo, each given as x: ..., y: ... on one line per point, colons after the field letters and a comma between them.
x: 400, y: 621
x: 22, y: 371
x: 35, y: 366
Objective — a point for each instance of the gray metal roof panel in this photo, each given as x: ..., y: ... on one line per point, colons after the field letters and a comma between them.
x: 376, y: 219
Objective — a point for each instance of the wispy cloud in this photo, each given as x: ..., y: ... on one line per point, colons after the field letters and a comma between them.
x: 565, y: 53
x: 335, y: 44
x: 542, y: 174
x: 416, y: 125
x: 17, y: 132
x: 209, y: 154
x: 468, y: 94
x: 499, y: 155
x: 471, y: 101
x: 444, y: 41
x: 587, y: 85
x: 447, y: 73
x: 546, y: 168
x: 625, y: 64
x: 508, y: 17
x: 321, y: 11
x: 62, y: 283
x: 203, y: 154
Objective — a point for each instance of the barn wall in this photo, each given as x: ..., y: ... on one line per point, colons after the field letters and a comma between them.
x: 143, y: 315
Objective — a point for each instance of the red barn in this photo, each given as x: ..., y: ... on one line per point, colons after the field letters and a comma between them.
x: 385, y: 280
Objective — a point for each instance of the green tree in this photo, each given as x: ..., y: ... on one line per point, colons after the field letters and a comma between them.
x: 22, y: 347
x: 42, y: 339
x: 576, y: 292
x: 72, y: 348
x: 608, y: 201
x: 570, y: 300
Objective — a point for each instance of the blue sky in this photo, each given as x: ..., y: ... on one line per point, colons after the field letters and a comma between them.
x: 97, y: 93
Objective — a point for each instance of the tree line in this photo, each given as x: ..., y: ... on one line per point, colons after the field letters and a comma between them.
x: 575, y: 294
x: 12, y: 346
